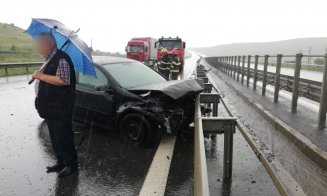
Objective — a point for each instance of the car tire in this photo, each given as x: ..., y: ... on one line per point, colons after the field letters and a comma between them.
x: 136, y: 128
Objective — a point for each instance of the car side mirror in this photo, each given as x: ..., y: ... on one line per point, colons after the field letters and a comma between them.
x: 104, y: 88
x: 125, y: 48
x: 155, y: 45
x: 184, y: 45
x: 145, y: 49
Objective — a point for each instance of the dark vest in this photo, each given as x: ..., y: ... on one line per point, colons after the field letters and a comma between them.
x: 56, y: 102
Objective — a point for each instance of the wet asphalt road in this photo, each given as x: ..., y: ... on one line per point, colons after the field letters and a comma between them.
x: 107, y: 166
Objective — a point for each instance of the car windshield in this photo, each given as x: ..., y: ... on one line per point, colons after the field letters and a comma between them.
x: 135, y: 49
x: 170, y: 44
x: 130, y: 75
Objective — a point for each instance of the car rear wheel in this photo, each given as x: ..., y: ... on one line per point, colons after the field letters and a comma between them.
x: 136, y: 128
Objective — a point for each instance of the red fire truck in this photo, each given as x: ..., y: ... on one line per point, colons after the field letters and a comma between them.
x: 171, y: 44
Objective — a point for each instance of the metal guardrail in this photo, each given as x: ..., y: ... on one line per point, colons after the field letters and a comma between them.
x: 201, y: 186
x: 210, y: 125
x: 7, y: 66
x: 234, y: 66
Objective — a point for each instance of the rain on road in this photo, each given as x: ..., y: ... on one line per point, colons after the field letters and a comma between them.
x: 107, y: 165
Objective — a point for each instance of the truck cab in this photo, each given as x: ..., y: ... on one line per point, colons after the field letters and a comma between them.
x: 171, y: 44
x: 141, y: 49
x: 137, y: 50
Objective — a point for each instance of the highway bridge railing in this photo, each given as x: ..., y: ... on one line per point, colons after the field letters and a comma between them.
x: 210, y: 123
x: 243, y: 68
x: 8, y: 66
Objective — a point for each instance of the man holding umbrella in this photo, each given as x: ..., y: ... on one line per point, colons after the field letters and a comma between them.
x: 63, y: 51
x: 55, y: 102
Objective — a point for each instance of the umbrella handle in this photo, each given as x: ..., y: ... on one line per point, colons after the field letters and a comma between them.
x: 31, y: 81
x: 43, y: 66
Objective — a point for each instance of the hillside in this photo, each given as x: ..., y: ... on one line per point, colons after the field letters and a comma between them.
x: 290, y: 47
x: 15, y: 45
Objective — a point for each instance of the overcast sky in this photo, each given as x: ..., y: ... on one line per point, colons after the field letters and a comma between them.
x: 110, y: 24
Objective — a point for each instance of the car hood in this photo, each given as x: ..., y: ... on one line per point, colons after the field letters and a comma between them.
x: 176, y: 89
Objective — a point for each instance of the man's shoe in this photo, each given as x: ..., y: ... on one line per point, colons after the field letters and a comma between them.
x: 56, y: 167
x: 68, y: 170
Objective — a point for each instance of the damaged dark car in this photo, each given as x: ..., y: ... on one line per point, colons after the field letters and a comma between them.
x: 134, y: 100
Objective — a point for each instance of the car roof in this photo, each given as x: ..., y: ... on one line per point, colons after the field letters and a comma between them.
x: 103, y: 60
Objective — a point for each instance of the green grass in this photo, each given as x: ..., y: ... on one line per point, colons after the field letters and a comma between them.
x: 16, y: 46
x: 18, y: 71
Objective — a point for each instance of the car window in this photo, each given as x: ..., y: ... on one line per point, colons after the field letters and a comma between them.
x: 92, y: 82
x: 133, y: 74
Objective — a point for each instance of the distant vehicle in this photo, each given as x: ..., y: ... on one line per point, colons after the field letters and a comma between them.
x: 142, y: 49
x: 171, y: 44
x: 134, y: 100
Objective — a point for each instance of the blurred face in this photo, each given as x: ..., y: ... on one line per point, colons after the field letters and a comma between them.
x: 45, y: 45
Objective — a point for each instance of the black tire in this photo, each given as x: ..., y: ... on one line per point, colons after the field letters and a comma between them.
x: 136, y: 128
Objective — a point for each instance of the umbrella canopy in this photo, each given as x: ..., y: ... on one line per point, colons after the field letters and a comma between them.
x: 76, y: 48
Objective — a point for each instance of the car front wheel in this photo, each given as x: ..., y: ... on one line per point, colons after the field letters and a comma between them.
x: 136, y: 128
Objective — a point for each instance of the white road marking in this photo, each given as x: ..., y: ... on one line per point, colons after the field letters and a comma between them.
x: 156, y: 179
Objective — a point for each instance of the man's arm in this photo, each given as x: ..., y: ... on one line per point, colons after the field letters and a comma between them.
x: 54, y: 80
x: 62, y: 76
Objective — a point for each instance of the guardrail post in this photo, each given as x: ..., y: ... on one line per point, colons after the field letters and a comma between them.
x: 296, y: 81
x: 229, y: 130
x: 6, y: 72
x: 264, y: 75
x: 255, y: 76
x: 243, y: 71
x: 226, y: 63
x: 26, y: 69
x: 248, y: 71
x: 213, y: 98
x: 323, y: 98
x: 207, y: 87
x: 230, y: 66
x: 234, y: 66
x: 225, y: 66
x: 225, y: 125
x: 277, y: 77
x: 238, y: 67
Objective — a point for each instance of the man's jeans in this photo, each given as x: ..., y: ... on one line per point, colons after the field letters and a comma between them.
x: 62, y: 140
